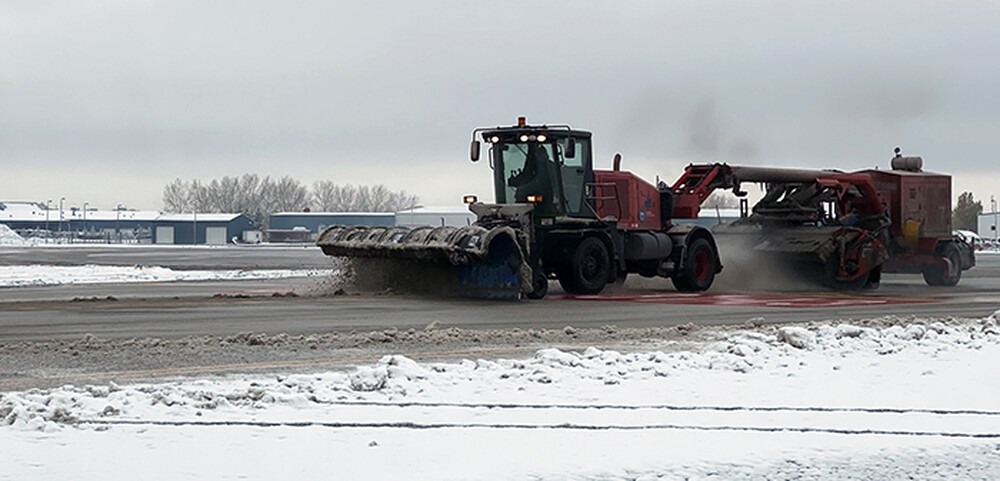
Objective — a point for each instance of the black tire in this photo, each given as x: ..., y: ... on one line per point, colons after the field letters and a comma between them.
x: 830, y: 277
x: 936, y: 276
x: 589, y: 269
x: 539, y: 285
x: 701, y: 262
x: 874, y: 279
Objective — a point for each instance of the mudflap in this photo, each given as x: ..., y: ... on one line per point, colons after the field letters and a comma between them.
x: 489, y: 281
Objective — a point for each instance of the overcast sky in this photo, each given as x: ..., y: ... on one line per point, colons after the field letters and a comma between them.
x: 107, y: 101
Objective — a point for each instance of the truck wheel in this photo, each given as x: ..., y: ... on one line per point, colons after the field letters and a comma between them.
x: 936, y: 276
x: 700, y: 266
x: 830, y: 275
x: 589, y: 269
x: 539, y: 285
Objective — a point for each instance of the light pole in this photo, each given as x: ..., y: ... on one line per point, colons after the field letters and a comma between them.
x: 118, y: 216
x: 993, y: 203
x: 61, y: 200
x: 85, y: 205
x: 48, y: 206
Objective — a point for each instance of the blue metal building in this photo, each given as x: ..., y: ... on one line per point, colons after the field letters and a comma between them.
x: 316, y: 222
x: 188, y: 229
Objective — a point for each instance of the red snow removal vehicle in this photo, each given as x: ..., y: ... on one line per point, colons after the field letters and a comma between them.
x: 555, y: 216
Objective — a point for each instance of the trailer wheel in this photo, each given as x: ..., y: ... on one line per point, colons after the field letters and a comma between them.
x: 936, y: 276
x: 830, y: 275
x: 699, y: 270
x: 539, y: 285
x: 588, y: 270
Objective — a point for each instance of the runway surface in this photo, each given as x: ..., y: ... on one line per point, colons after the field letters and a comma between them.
x: 229, y: 307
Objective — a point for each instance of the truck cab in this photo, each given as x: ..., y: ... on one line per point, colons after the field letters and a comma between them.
x: 548, y: 166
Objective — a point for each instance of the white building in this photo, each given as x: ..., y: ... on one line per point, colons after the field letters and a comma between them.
x: 455, y: 216
x: 988, y: 225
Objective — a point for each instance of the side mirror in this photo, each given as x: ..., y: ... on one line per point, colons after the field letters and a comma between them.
x: 570, y: 148
x: 474, y: 151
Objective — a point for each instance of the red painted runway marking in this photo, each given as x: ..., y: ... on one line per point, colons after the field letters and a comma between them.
x: 758, y: 300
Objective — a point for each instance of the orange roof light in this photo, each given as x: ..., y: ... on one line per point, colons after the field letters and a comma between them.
x: 522, y: 121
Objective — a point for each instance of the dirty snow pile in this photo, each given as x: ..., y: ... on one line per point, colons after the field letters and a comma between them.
x: 834, y: 401
x: 48, y: 275
x: 10, y: 238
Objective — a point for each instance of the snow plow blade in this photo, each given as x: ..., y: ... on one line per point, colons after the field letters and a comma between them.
x: 484, y: 262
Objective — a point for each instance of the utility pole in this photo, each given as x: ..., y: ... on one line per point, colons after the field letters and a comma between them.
x: 48, y: 206
x: 118, y: 216
x: 993, y: 204
x: 61, y: 200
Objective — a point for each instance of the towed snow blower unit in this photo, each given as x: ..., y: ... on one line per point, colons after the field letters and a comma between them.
x: 847, y: 227
x: 555, y: 217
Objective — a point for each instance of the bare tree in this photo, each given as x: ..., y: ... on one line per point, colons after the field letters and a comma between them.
x: 176, y: 196
x: 331, y: 197
x: 289, y: 195
x: 258, y: 197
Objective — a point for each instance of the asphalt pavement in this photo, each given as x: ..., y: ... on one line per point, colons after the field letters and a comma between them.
x: 230, y: 307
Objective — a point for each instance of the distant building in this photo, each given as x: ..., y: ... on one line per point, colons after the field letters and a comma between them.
x: 31, y: 219
x: 288, y: 226
x: 455, y: 216
x: 988, y: 225
x: 710, y: 217
x: 210, y: 229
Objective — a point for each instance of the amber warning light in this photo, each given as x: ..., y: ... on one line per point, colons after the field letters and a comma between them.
x: 470, y: 199
x: 521, y: 121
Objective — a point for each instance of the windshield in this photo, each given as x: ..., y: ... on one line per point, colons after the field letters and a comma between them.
x: 524, y: 169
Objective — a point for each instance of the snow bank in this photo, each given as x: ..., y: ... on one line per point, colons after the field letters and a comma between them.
x: 552, y: 374
x: 10, y: 238
x: 915, y: 401
x: 48, y: 275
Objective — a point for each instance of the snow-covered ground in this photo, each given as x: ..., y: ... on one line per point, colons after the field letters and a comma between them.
x: 47, y: 275
x: 832, y: 401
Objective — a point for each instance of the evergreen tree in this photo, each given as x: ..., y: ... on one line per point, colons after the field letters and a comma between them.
x: 966, y: 213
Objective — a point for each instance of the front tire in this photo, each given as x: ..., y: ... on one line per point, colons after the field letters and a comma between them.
x: 589, y: 269
x: 539, y: 285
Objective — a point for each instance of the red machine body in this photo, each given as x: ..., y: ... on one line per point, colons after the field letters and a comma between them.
x: 633, y: 202
x: 895, y: 220
x: 922, y: 199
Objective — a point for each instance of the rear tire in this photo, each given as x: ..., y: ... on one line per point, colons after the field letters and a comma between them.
x: 700, y: 266
x: 588, y: 270
x: 936, y: 276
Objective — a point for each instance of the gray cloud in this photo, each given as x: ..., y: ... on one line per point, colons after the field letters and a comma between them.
x: 159, y: 90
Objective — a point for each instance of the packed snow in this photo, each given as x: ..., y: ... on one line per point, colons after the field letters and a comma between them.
x: 829, y: 401
x: 47, y: 275
x: 10, y: 238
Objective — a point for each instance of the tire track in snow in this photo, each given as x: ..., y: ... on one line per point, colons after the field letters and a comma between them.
x: 671, y: 407
x: 564, y: 426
